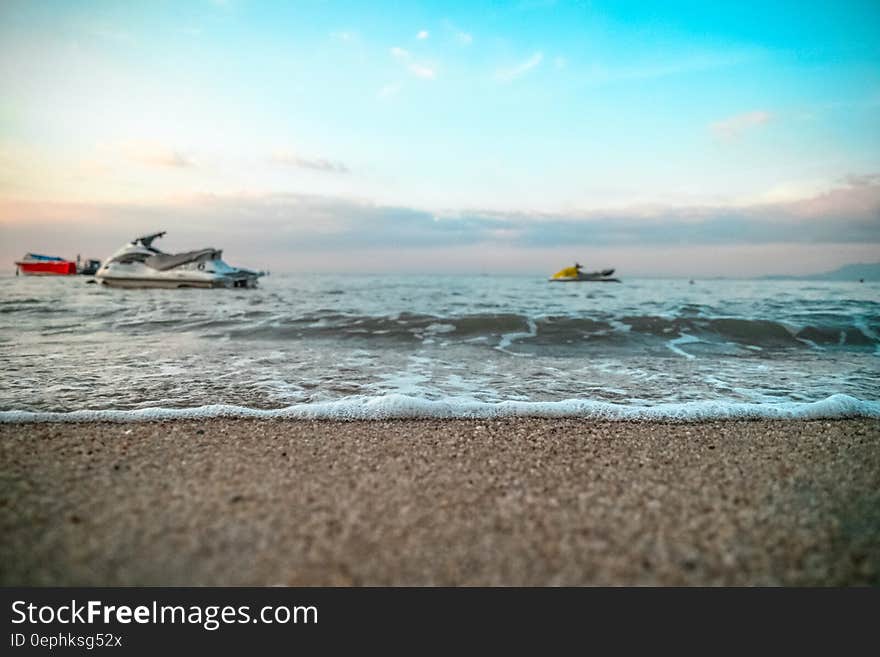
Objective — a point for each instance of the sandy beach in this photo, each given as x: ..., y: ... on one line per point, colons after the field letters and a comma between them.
x: 424, y: 502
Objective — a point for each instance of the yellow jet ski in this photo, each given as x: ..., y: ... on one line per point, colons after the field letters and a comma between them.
x: 574, y: 274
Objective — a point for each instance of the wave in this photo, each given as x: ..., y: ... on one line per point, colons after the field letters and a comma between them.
x: 798, y: 325
x: 561, y: 330
x: 398, y: 406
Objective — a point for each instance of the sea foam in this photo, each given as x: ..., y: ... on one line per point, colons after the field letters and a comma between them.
x: 397, y: 406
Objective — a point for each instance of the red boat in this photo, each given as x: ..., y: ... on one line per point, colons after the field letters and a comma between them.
x: 39, y: 265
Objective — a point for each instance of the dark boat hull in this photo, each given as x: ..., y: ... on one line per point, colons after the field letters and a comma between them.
x: 585, y: 280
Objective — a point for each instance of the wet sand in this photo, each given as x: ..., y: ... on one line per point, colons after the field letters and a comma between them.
x: 422, y: 502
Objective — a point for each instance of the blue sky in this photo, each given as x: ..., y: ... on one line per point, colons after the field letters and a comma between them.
x: 468, y: 134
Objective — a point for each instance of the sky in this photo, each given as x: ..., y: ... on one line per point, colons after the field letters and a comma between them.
x: 675, y: 138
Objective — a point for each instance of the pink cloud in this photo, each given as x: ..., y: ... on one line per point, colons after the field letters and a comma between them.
x: 820, y: 233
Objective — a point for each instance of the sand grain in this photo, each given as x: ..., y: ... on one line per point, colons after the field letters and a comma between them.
x: 506, y: 502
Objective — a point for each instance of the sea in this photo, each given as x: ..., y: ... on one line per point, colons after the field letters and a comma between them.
x: 420, y: 346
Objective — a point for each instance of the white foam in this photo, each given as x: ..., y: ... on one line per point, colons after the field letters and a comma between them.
x: 507, y: 339
x: 395, y: 406
x: 684, y: 338
x: 862, y: 325
x: 439, y: 328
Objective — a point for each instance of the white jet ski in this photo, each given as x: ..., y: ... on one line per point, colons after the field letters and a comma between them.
x: 140, y: 264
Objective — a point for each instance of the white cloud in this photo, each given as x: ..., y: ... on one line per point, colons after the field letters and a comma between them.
x: 419, y: 69
x: 388, y: 91
x: 788, y: 191
x: 422, y: 71
x: 286, y: 158
x: 153, y: 154
x: 521, y: 69
x: 462, y: 37
x: 560, y: 62
x: 735, y: 126
x: 661, y: 67
x: 423, y: 34
x: 343, y: 35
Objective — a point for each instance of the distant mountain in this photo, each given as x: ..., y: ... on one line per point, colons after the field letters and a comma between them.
x: 866, y: 271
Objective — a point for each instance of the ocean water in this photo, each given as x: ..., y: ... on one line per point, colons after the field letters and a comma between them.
x: 346, y: 346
